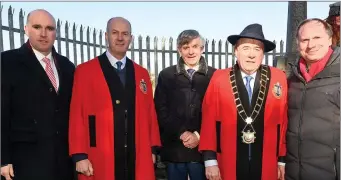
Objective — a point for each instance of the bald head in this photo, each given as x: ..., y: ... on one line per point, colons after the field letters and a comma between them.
x: 39, y: 13
x: 117, y: 20
x: 41, y: 30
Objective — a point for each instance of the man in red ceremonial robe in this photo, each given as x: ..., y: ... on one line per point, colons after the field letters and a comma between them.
x: 245, y: 114
x: 113, y: 126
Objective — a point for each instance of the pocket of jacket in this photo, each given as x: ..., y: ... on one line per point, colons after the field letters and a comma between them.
x: 218, y: 129
x: 92, y: 130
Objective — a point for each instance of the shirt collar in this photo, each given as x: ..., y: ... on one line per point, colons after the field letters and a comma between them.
x: 196, y: 68
x: 252, y: 75
x: 41, y: 56
x: 113, y: 60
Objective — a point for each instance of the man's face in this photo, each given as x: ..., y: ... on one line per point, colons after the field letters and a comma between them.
x: 249, y: 53
x: 119, y: 36
x: 313, y: 41
x: 191, y: 52
x: 41, y: 31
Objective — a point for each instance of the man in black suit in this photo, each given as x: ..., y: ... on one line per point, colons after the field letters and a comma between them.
x: 36, y: 85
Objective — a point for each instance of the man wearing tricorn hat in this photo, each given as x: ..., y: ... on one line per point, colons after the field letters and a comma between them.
x: 245, y: 114
x: 334, y: 20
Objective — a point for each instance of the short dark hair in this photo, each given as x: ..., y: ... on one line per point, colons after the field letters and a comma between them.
x: 187, y: 36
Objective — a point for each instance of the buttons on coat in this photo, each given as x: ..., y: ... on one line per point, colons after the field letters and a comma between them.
x: 57, y: 132
x: 192, y: 105
x: 51, y: 89
x: 34, y: 121
x: 193, y: 89
x: 118, y: 101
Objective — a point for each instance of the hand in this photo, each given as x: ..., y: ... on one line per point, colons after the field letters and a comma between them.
x: 85, y: 167
x: 153, y: 158
x: 281, y: 172
x: 212, y: 173
x: 184, y: 136
x: 7, y: 172
x: 191, y: 140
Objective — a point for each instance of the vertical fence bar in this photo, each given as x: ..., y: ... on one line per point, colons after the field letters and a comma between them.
x: 59, y: 24
x: 206, y: 51
x: 213, y: 53
x: 274, y: 62
x: 74, y: 44
x: 148, y: 53
x: 1, y: 36
x: 226, y: 54
x: 94, y: 42
x: 140, y: 50
x: 81, y: 43
x: 21, y: 27
x: 171, y: 62
x: 67, y: 49
x: 281, y: 47
x: 233, y: 57
x: 163, y: 55
x: 132, y: 49
x: 100, y: 41
x: 156, y: 64
x: 10, y: 25
x: 88, y: 41
x: 219, y: 51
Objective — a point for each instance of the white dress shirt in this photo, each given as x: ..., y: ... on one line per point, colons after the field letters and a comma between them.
x: 113, y: 60
x: 40, y: 58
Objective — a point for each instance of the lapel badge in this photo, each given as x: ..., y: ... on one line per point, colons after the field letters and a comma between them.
x: 143, y: 86
x: 277, y: 90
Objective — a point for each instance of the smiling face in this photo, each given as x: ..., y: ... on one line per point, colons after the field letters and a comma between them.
x: 191, y: 52
x: 118, y: 36
x: 41, y: 31
x: 249, y: 53
x: 313, y: 41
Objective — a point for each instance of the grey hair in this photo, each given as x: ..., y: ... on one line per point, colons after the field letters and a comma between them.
x: 326, y: 26
x: 187, y: 36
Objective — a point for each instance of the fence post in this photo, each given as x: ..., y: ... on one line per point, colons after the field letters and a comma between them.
x: 219, y: 51
x: 274, y: 55
x: 21, y: 27
x: 58, y: 36
x: 94, y: 42
x: 132, y: 52
x: 171, y: 51
x: 74, y: 44
x: 81, y: 43
x: 213, y: 53
x: 148, y: 53
x: 226, y: 53
x: 163, y: 53
x: 156, y: 65
x: 10, y: 25
x: 100, y: 41
x: 206, y: 51
x: 67, y: 49
x: 88, y: 42
x: 140, y: 50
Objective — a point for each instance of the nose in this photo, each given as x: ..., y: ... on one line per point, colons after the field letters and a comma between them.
x: 43, y: 32
x: 191, y: 51
x: 251, y: 54
x: 311, y: 44
x: 120, y: 37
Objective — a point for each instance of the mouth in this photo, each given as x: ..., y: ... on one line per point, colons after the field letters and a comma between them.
x: 43, y: 41
x: 252, y: 62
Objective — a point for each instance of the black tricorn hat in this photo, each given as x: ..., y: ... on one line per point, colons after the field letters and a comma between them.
x: 334, y: 9
x: 253, y: 31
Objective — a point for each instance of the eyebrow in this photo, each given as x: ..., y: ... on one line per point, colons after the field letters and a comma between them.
x: 48, y: 26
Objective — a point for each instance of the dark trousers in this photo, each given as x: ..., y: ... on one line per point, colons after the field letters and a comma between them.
x: 180, y: 171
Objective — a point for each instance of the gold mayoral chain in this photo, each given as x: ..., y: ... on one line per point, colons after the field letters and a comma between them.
x: 249, y: 136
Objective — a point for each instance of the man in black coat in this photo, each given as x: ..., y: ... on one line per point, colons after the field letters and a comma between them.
x: 36, y: 85
x: 178, y: 98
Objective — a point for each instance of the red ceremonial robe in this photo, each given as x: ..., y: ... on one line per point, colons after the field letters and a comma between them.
x: 219, y: 106
x: 91, y: 97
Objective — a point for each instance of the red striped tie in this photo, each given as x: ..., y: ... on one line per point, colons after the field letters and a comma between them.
x: 49, y: 72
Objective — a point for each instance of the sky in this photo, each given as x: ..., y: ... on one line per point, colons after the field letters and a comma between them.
x: 213, y: 20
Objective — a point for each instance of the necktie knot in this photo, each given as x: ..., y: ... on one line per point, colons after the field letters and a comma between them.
x: 46, y: 60
x: 190, y: 72
x: 248, y: 79
x: 119, y: 65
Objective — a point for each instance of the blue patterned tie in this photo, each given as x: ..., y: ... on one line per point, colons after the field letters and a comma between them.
x: 190, y: 72
x: 119, y: 65
x: 248, y: 87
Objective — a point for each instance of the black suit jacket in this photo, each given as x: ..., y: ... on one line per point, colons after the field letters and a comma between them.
x: 34, y: 117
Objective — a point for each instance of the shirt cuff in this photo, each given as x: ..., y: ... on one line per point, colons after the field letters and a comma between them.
x: 281, y: 163
x: 197, y: 134
x: 209, y: 163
